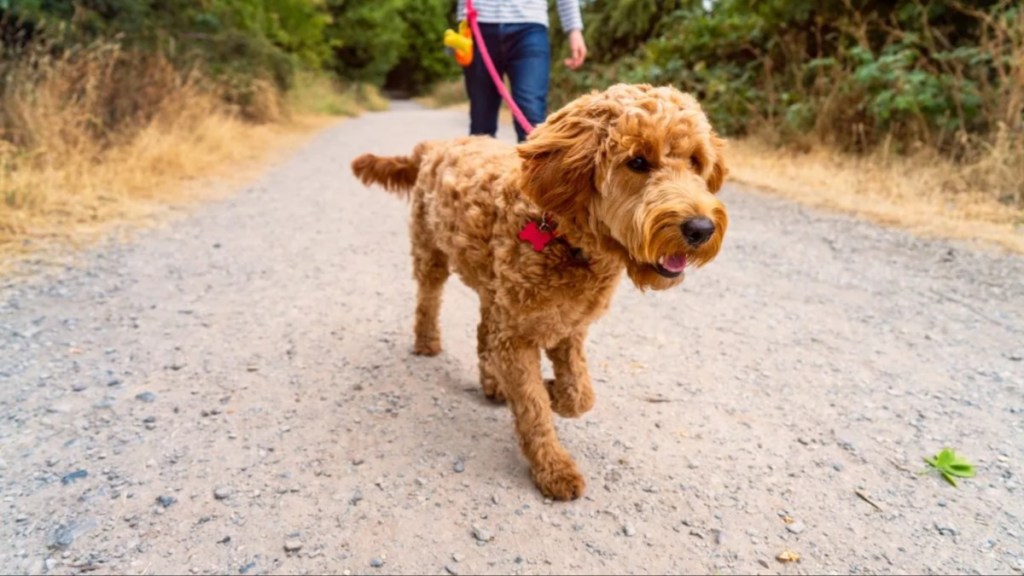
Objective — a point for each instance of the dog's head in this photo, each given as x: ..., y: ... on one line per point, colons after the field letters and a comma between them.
x: 638, y: 167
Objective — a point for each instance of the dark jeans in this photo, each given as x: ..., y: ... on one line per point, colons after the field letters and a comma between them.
x: 521, y: 51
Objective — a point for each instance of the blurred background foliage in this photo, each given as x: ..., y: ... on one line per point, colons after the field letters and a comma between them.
x: 860, y: 75
x: 360, y: 40
x: 857, y: 73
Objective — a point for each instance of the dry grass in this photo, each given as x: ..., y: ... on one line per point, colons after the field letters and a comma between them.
x: 445, y: 94
x: 321, y: 95
x: 80, y: 152
x: 75, y: 198
x: 924, y: 194
x: 318, y: 94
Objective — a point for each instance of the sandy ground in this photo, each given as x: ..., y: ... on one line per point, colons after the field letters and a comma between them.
x: 234, y: 393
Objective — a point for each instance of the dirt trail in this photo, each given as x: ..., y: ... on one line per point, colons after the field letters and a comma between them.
x: 233, y: 393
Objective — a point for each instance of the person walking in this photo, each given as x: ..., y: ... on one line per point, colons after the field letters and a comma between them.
x: 516, y: 34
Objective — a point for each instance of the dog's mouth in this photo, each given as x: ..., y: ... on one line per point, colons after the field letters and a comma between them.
x: 671, y: 266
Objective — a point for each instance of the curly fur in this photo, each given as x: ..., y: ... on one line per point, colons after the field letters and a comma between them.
x: 472, y: 196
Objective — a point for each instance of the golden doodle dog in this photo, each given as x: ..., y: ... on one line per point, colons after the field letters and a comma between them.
x: 623, y: 179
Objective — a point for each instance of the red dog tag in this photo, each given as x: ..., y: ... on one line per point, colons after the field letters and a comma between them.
x: 535, y: 236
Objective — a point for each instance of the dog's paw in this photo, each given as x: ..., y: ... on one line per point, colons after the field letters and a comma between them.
x: 427, y: 348
x: 495, y: 395
x: 560, y: 482
x: 569, y: 405
x: 492, y: 391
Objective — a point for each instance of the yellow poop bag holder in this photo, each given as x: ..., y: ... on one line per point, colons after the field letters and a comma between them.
x: 461, y: 42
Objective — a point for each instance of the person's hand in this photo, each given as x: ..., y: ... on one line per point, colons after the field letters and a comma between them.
x: 577, y: 50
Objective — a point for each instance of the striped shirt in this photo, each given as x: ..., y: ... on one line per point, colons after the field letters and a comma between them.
x: 509, y: 11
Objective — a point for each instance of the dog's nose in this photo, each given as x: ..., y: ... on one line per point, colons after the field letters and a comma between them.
x: 698, y: 230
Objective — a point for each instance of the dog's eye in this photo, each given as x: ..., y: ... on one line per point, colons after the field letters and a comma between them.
x: 695, y: 163
x: 639, y: 164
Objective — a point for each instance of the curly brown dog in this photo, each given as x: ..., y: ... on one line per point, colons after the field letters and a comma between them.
x: 617, y: 180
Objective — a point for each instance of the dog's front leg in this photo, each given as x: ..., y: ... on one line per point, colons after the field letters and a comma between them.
x: 552, y: 468
x: 485, y: 334
x: 571, y: 392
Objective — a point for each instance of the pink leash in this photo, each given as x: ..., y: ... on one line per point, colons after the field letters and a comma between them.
x: 516, y: 112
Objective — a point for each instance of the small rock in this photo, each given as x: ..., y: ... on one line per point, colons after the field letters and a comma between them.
x: 246, y: 568
x: 357, y: 496
x: 21, y: 518
x: 166, y: 501
x: 629, y: 530
x: 763, y: 562
x: 222, y: 492
x: 450, y: 568
x: 149, y: 419
x: 224, y: 540
x: 459, y: 466
x: 146, y: 397
x: 78, y: 387
x: 838, y: 466
x: 719, y: 536
x: 796, y: 527
x: 946, y: 529
x: 788, y: 556
x: 292, y: 545
x: 458, y: 557
x: 482, y: 534
x: 376, y: 562
x: 70, y: 478
x: 62, y: 537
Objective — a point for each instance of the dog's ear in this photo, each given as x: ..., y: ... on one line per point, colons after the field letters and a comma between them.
x: 560, y: 158
x: 718, y: 168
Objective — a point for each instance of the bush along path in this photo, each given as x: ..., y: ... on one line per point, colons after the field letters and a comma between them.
x: 234, y: 393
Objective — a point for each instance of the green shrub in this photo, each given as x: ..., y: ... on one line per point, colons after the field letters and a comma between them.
x: 423, y: 61
x: 855, y: 73
x: 369, y: 37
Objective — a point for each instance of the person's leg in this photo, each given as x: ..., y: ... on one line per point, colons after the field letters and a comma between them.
x: 484, y: 99
x: 528, y: 63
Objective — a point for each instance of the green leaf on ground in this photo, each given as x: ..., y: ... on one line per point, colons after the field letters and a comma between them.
x: 950, y: 465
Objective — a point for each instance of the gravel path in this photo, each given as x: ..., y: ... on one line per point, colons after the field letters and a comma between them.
x: 233, y: 393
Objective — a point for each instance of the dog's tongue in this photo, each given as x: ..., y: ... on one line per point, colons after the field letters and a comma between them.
x: 674, y: 263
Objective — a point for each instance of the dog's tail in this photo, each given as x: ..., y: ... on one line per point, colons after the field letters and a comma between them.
x: 395, y: 173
